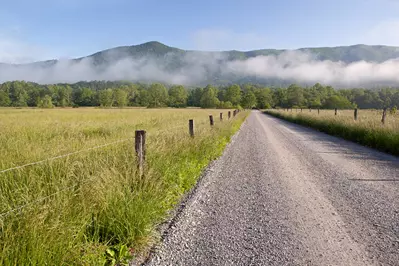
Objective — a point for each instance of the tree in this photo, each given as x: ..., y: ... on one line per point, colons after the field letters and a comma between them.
x: 157, y: 95
x: 194, y: 97
x: 208, y: 98
x: 233, y: 94
x: 105, y: 98
x: 295, y: 96
x: 249, y: 100
x: 178, y: 96
x: 120, y: 97
x: 264, y: 98
x: 143, y: 98
x: 337, y: 101
x: 46, y: 102
x: 64, y: 95
x: 4, y: 99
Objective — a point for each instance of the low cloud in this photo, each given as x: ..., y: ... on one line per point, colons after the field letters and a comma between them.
x: 199, y: 67
x: 302, y: 67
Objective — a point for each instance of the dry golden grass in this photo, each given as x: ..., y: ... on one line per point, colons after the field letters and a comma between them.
x: 367, y: 129
x: 78, y: 206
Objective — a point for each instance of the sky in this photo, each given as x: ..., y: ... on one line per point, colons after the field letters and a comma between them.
x: 52, y: 29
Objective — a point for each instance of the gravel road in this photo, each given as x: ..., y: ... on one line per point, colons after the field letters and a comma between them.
x: 283, y: 194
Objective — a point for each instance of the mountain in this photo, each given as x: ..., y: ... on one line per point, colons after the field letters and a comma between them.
x: 154, y: 61
x: 347, y: 54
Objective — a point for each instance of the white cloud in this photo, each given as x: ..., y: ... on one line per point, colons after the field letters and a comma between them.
x: 223, y: 39
x: 301, y: 67
x: 292, y: 65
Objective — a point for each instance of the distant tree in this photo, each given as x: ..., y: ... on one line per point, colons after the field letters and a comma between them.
x: 178, y: 96
x: 337, y: 101
x: 64, y: 94
x: 225, y: 105
x: 105, y: 98
x: 46, y: 102
x: 157, y: 95
x: 143, y: 98
x: 264, y: 98
x: 208, y: 98
x: 194, y: 97
x: 233, y: 94
x: 248, y: 100
x: 120, y: 97
x: 4, y: 99
x: 295, y: 96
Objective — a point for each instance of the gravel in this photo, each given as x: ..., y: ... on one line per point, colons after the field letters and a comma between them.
x: 283, y: 194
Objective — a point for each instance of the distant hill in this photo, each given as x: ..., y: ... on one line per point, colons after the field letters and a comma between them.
x: 347, y: 54
x: 154, y: 61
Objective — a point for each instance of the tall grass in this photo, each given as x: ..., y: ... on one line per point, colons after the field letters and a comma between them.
x: 367, y: 130
x: 78, y: 206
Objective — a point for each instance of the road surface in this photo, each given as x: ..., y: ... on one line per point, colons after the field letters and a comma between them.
x: 283, y: 194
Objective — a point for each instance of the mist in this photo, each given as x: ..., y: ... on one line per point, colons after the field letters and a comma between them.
x: 196, y: 68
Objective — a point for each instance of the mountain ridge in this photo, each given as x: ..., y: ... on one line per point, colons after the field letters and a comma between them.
x: 154, y: 61
x: 159, y: 48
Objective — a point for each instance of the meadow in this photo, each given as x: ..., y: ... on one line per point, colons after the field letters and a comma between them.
x: 367, y: 130
x: 92, y: 207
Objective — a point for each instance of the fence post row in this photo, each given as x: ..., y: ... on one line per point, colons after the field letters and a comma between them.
x: 191, y: 127
x: 140, y: 149
x: 384, y: 114
x: 211, y: 120
x: 355, y: 114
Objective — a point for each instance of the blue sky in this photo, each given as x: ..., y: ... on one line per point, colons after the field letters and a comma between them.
x: 45, y: 29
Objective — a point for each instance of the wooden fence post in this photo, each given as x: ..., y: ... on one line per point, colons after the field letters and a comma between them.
x: 301, y: 110
x: 318, y: 111
x: 191, y: 127
x: 336, y: 111
x: 140, y: 149
x: 211, y: 120
x: 384, y: 114
x: 355, y: 114
x: 234, y: 113
x: 310, y: 109
x: 221, y: 116
x: 229, y: 114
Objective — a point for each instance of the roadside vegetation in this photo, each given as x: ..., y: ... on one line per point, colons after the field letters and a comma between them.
x: 367, y: 130
x: 93, y: 208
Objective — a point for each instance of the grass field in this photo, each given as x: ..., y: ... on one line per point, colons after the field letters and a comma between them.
x: 366, y: 130
x: 75, y: 208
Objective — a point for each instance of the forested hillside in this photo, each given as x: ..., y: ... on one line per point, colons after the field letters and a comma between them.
x: 120, y: 94
x: 346, y: 66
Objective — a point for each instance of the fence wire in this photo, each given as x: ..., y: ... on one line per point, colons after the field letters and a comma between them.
x: 21, y: 207
x: 64, y: 155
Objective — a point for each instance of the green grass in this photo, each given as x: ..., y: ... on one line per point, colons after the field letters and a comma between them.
x: 367, y: 130
x: 96, y: 200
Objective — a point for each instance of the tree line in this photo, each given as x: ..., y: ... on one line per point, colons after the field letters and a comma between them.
x: 121, y: 94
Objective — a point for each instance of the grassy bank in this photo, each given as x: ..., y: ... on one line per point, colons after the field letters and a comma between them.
x: 87, y: 208
x: 367, y: 130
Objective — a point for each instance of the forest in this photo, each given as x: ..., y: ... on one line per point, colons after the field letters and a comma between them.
x: 121, y: 94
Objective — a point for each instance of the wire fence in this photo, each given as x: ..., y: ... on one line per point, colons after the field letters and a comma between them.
x: 19, y: 209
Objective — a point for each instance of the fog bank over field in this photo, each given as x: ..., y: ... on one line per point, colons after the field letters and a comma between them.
x: 194, y: 68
